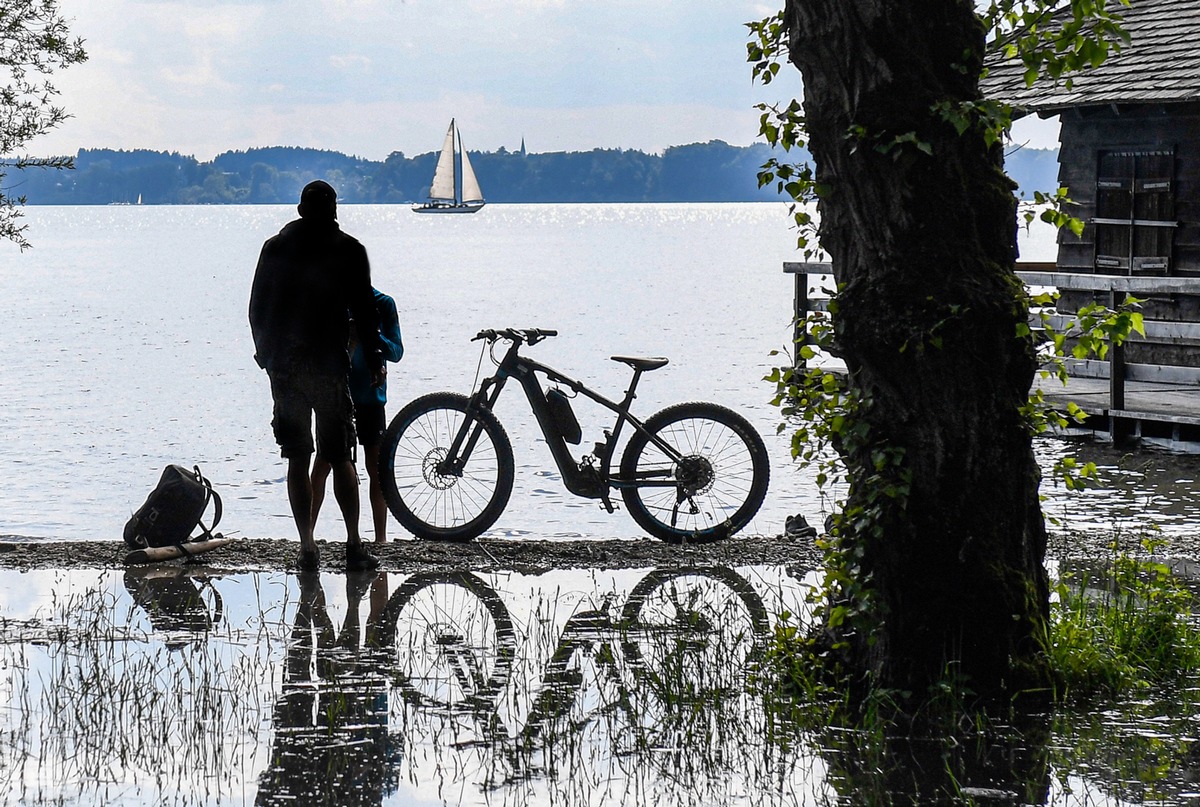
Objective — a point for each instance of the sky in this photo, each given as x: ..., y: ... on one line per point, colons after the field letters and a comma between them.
x: 372, y: 77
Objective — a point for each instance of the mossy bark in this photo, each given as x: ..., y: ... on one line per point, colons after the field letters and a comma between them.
x: 920, y: 223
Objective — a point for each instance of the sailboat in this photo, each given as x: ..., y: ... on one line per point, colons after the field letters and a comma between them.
x: 454, y: 188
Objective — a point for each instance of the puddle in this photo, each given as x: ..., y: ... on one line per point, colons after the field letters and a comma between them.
x: 625, y: 687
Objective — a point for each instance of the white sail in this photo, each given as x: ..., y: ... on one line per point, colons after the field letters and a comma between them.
x: 442, y: 188
x: 471, y: 192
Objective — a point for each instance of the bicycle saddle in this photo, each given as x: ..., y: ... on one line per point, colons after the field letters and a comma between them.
x: 652, y: 363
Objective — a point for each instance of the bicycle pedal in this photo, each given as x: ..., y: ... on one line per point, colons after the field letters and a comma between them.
x: 607, y: 504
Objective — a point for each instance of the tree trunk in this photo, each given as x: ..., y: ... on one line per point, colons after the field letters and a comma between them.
x: 923, y: 248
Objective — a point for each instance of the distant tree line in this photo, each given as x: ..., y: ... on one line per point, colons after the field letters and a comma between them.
x: 699, y: 172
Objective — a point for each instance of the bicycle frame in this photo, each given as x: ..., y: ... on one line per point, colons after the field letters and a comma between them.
x: 582, y: 478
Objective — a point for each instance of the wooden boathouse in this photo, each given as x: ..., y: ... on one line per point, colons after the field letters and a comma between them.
x: 1129, y: 158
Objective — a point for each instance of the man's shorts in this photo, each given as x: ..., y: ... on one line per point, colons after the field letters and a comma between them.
x: 370, y: 422
x: 298, y: 395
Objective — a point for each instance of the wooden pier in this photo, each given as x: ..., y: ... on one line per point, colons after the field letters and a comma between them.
x: 1149, y: 403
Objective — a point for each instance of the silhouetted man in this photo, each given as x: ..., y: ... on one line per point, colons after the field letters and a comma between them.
x: 311, y: 279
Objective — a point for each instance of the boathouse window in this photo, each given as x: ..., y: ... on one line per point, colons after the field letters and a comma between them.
x: 1135, y: 210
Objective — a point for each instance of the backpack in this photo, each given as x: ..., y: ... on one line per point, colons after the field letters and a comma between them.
x: 173, y: 509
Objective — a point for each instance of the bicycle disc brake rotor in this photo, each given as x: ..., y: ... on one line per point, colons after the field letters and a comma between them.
x: 695, y: 475
x: 430, y: 469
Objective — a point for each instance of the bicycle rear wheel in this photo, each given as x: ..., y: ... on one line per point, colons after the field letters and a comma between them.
x: 425, y: 498
x: 695, y: 630
x: 714, y: 487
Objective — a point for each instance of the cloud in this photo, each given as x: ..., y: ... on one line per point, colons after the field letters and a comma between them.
x: 373, y: 76
x: 351, y: 63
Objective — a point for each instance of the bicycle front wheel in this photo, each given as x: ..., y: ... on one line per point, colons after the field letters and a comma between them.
x: 426, y: 497
x: 453, y: 639
x: 708, y: 486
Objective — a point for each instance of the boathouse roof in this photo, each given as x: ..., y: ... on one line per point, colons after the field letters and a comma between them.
x: 1159, y: 65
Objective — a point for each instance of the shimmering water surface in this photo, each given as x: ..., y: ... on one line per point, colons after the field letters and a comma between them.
x: 126, y: 344
x: 126, y: 347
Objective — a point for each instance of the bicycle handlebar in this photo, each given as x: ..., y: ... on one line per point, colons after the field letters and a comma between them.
x: 530, y: 336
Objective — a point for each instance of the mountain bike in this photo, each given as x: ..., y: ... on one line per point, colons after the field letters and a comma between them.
x: 693, y: 472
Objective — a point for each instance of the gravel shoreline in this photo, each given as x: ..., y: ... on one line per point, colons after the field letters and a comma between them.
x: 532, y: 556
x: 528, y: 556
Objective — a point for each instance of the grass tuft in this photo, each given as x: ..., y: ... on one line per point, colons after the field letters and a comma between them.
x: 1123, y: 630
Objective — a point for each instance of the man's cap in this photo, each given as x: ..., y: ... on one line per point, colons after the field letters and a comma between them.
x: 318, y: 200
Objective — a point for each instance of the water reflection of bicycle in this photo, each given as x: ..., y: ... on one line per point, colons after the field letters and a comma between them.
x: 650, y: 672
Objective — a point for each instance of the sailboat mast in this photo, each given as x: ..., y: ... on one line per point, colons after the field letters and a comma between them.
x: 458, y: 192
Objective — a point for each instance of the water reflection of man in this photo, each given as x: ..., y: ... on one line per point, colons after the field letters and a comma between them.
x: 331, y: 742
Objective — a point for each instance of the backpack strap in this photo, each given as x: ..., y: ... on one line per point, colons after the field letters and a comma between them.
x: 218, y: 604
x: 215, y: 498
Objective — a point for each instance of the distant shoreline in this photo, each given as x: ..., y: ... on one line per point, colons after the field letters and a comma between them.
x: 699, y: 172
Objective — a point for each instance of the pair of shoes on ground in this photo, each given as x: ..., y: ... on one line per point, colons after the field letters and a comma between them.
x: 358, y: 559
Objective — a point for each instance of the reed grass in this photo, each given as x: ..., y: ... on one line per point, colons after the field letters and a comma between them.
x: 1122, y: 630
x: 99, y: 711
x: 1123, y: 643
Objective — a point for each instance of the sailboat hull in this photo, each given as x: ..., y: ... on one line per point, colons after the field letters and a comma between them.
x: 465, y: 207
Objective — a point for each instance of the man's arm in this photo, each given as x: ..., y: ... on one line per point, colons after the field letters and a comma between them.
x: 258, y: 311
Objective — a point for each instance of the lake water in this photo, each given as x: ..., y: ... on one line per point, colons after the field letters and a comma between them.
x: 126, y: 348
x: 126, y: 344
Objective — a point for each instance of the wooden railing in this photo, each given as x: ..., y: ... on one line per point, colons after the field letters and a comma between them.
x: 1116, y: 287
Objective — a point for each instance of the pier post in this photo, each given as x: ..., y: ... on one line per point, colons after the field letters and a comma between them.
x: 1116, y: 360
x: 800, y: 315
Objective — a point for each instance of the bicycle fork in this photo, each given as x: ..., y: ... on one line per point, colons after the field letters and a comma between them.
x: 467, y: 436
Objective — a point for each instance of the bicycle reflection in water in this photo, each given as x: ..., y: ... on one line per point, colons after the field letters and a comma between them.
x: 661, y: 674
x: 650, y: 677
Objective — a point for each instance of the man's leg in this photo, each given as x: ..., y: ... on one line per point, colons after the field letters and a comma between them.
x: 292, y: 424
x: 345, y: 490
x: 336, y: 443
x: 299, y: 487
